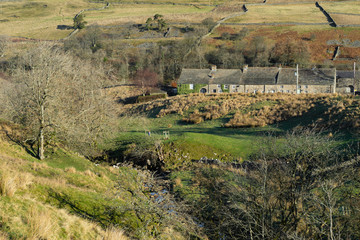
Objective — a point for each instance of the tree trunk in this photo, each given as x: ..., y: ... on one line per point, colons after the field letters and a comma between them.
x: 41, y: 134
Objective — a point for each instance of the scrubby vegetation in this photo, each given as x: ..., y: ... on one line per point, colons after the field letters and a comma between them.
x: 257, y: 110
x: 303, y: 187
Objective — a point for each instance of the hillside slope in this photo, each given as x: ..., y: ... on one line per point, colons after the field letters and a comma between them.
x: 68, y: 197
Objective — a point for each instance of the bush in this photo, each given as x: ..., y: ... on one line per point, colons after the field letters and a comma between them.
x: 79, y: 22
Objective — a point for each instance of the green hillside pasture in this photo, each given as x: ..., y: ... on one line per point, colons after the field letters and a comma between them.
x: 301, y: 13
x: 199, y: 140
x: 40, y: 19
x: 140, y: 12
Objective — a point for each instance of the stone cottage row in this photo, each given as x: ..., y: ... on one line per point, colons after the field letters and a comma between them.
x: 266, y: 80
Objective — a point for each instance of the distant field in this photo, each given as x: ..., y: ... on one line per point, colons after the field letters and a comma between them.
x: 343, y: 19
x: 139, y: 13
x: 39, y: 19
x: 339, y: 11
x: 302, y: 13
x: 342, y: 7
x: 195, y: 2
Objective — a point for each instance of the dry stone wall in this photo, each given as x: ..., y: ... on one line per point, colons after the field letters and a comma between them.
x: 327, y: 15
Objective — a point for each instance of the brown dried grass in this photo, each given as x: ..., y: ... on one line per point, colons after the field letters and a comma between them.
x: 113, y: 233
x: 89, y: 173
x: 41, y: 224
x: 3, y: 236
x: 8, y: 184
x: 70, y: 170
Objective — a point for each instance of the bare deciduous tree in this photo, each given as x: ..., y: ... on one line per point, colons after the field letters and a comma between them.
x: 146, y: 79
x: 59, y: 95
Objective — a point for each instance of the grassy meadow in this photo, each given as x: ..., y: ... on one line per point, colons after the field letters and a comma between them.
x: 40, y: 19
x: 123, y: 13
x: 281, y: 13
x: 342, y: 7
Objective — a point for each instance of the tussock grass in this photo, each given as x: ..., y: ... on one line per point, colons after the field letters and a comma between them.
x: 3, y: 236
x: 70, y: 170
x: 8, y: 184
x: 89, y: 173
x: 41, y: 224
x: 113, y: 233
x: 12, y: 181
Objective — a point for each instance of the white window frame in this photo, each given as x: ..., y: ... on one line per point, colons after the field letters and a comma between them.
x: 191, y: 86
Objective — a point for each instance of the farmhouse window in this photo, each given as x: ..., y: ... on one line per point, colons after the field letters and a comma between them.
x: 233, y: 86
x: 226, y: 86
x: 191, y: 86
x: 282, y: 86
x: 219, y: 86
x: 306, y: 86
x: 214, y: 90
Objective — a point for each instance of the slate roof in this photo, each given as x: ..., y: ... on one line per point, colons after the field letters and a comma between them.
x: 204, y: 76
x: 306, y: 76
x: 259, y: 76
x: 347, y: 74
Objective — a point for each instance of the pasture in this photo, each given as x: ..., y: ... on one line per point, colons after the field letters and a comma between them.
x: 138, y: 13
x: 40, y: 20
x: 299, y: 13
x: 344, y: 13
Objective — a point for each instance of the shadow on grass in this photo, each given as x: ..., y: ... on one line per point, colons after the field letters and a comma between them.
x: 28, y: 145
x: 104, y: 215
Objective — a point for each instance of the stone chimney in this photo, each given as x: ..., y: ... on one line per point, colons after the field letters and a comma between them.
x: 213, y: 68
x: 245, y: 68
